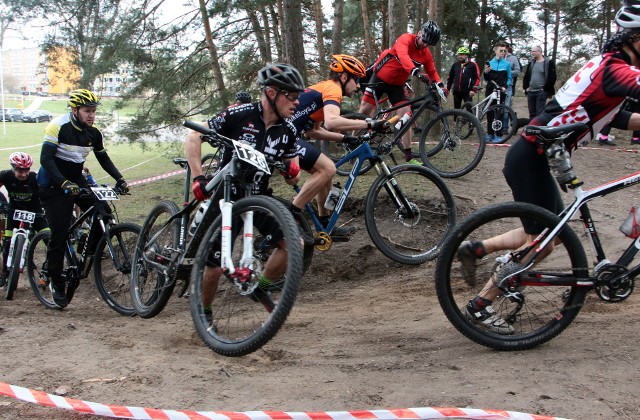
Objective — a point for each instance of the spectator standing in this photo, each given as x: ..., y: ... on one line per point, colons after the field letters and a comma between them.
x: 497, y: 70
x: 539, y: 80
x: 464, y: 78
x: 515, y: 73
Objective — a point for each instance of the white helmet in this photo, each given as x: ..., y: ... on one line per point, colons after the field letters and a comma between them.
x: 628, y: 17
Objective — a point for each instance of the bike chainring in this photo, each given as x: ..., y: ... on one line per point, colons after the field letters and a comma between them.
x: 323, y: 241
x: 613, y: 283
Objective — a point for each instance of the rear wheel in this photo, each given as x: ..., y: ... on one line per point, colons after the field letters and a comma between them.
x: 156, y: 249
x: 112, y: 273
x: 245, y: 315
x: 14, y: 271
x: 504, y: 121
x: 37, y: 269
x: 534, y: 303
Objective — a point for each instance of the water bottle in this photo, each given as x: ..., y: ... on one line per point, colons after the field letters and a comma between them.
x: 560, y: 164
x: 332, y: 198
x: 403, y: 120
x: 91, y: 181
x: 198, y: 217
x: 630, y: 226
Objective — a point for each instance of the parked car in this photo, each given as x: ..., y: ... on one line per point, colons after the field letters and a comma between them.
x: 37, y: 116
x: 12, y: 114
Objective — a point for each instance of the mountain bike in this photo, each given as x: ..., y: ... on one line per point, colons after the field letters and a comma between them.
x: 442, y: 149
x: 22, y: 234
x: 408, y: 210
x: 541, y: 287
x: 105, y: 245
x: 505, y: 120
x: 244, y: 316
x: 187, y: 223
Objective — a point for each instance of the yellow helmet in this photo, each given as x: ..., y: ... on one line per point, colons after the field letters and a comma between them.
x: 82, y: 97
x: 341, y: 63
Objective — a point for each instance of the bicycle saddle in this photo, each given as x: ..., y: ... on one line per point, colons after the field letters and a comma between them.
x: 180, y: 161
x: 551, y: 134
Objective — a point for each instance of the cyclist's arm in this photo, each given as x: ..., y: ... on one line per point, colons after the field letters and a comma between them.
x: 105, y: 161
x: 401, y: 48
x: 47, y: 160
x: 333, y: 121
x: 193, y: 151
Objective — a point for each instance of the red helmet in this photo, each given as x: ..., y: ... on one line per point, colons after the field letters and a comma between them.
x: 19, y: 160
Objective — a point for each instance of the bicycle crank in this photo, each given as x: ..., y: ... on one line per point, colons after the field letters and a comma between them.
x: 613, y: 283
x: 322, y: 241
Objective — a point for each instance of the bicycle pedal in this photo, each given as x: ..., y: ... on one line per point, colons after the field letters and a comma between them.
x: 340, y: 238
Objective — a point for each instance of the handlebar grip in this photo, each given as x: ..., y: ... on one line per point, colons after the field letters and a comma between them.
x: 197, y: 127
x: 393, y: 119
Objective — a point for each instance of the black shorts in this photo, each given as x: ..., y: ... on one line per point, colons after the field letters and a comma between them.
x: 308, y: 154
x: 528, y: 175
x: 396, y: 94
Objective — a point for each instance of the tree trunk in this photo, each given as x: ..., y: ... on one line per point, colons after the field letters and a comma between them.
x: 259, y: 33
x: 368, y: 42
x: 398, y: 19
x: 322, y: 58
x: 267, y: 32
x: 276, y: 18
x: 434, y: 15
x: 483, y: 40
x: 213, y: 52
x: 556, y: 31
x: 386, y: 42
x: 292, y: 35
x: 338, y: 14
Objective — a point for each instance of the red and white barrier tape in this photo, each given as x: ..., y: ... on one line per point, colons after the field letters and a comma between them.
x: 157, y: 177
x: 119, y: 411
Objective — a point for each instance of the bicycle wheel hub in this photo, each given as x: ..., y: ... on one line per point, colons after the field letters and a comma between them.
x: 409, y: 218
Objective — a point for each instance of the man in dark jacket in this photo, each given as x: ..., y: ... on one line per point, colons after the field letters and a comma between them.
x: 539, y: 80
x: 464, y: 78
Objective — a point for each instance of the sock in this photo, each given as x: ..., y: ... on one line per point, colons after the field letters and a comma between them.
x: 207, y: 309
x: 293, y: 209
x: 324, y: 220
x: 407, y: 154
x: 480, y: 303
x: 478, y: 249
x: 263, y: 281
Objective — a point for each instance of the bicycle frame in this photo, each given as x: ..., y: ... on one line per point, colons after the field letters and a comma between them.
x: 361, y: 153
x: 482, y: 106
x: 582, y: 197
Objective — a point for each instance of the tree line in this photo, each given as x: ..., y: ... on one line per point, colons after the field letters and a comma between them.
x: 194, y: 61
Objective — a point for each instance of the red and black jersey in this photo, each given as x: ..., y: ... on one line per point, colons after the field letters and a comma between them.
x: 594, y: 95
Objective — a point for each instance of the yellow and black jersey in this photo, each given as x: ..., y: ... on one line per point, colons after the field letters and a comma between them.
x: 65, y: 149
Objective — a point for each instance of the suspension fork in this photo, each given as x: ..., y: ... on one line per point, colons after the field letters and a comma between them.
x: 393, y: 189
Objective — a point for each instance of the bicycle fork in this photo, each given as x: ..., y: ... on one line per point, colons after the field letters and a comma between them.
x: 394, y: 191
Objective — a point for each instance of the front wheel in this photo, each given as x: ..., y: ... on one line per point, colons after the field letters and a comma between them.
x: 112, y: 272
x: 459, y: 152
x: 409, y: 213
x: 156, y: 250
x: 533, y: 303
x: 236, y: 314
x: 502, y: 121
x: 37, y: 269
x: 14, y: 271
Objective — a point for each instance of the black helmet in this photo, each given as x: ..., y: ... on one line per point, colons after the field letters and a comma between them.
x: 243, y: 97
x: 628, y: 17
x: 430, y: 33
x: 284, y: 76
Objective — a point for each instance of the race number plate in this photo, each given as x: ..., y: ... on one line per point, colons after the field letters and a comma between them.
x: 105, y: 193
x: 250, y: 155
x: 24, y: 216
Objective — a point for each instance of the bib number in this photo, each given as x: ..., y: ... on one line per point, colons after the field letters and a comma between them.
x: 250, y: 155
x: 24, y: 216
x: 105, y: 193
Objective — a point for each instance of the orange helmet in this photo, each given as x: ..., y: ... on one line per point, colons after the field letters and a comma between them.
x: 341, y: 63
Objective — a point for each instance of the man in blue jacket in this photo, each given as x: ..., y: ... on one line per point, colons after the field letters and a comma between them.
x: 497, y: 70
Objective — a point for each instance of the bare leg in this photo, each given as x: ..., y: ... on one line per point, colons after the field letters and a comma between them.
x: 318, y: 184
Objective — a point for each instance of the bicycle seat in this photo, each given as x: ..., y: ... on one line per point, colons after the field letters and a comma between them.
x: 549, y: 135
x: 180, y: 161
